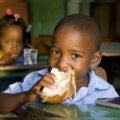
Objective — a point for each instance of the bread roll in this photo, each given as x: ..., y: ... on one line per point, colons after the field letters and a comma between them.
x: 64, y: 88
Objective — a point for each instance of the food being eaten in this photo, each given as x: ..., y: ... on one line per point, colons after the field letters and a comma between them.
x: 64, y: 88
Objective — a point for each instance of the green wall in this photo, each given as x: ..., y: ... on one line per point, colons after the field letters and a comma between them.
x: 44, y: 15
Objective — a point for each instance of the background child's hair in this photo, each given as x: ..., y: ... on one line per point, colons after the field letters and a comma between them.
x: 15, y: 19
x: 84, y: 24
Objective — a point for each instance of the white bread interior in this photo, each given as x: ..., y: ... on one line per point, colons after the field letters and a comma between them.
x: 64, y: 86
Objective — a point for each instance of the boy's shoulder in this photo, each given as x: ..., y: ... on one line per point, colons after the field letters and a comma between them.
x: 102, y: 86
x: 99, y: 82
x: 105, y: 86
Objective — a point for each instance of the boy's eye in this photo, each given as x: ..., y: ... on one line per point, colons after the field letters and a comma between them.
x: 75, y: 56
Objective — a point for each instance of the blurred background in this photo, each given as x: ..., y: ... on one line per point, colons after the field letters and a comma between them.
x: 43, y: 15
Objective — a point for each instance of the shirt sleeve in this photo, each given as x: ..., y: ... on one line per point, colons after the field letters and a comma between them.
x: 27, y: 84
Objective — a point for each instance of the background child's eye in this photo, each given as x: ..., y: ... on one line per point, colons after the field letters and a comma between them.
x: 55, y: 52
x: 74, y: 56
x: 8, y: 41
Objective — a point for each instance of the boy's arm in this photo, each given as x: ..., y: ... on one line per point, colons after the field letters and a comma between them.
x: 9, y: 102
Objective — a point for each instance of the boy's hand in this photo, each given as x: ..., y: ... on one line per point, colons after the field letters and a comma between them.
x: 47, y: 81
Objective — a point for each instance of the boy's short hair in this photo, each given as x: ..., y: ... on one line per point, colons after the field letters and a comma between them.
x: 84, y: 24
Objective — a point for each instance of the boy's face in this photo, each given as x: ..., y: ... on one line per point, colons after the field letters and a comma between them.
x: 71, y: 49
x: 11, y: 40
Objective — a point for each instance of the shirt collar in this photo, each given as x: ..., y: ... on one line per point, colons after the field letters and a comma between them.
x: 96, y: 82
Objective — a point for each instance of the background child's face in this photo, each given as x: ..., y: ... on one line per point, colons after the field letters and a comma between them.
x: 71, y: 49
x: 11, y: 39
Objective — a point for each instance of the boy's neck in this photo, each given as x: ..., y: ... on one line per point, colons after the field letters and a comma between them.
x: 82, y: 82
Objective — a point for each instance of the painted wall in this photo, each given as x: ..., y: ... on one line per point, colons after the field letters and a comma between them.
x: 44, y: 14
x: 17, y: 6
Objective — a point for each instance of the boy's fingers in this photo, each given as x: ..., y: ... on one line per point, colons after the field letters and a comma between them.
x: 50, y: 77
x: 38, y: 93
x: 47, y: 81
x: 46, y: 84
x: 41, y: 94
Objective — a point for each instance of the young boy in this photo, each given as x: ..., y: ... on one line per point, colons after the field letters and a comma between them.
x: 76, y: 43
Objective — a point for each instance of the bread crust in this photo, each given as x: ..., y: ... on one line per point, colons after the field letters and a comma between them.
x: 70, y: 90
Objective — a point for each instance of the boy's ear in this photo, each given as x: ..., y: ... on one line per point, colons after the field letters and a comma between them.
x: 96, y: 60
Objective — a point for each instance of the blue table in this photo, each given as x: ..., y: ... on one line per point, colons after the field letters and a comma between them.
x: 72, y: 112
x: 81, y: 112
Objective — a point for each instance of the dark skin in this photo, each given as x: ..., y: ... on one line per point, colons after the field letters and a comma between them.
x: 11, y: 44
x: 8, y: 59
x: 71, y: 49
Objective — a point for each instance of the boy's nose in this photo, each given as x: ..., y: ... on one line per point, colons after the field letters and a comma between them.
x: 62, y: 65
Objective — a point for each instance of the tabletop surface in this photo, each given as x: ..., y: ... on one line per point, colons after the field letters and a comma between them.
x: 72, y: 112
x: 19, y: 70
x: 22, y: 67
x: 110, y: 49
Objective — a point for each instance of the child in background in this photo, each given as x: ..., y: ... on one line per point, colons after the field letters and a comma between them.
x: 14, y: 37
x: 76, y: 43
